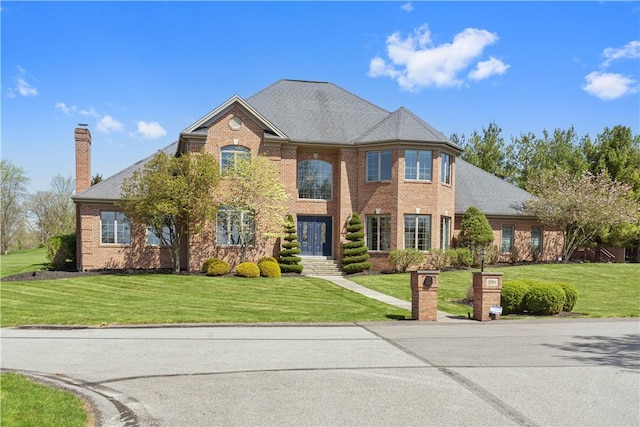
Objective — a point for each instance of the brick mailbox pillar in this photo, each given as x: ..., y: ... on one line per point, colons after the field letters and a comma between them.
x: 424, y: 295
x: 487, y: 288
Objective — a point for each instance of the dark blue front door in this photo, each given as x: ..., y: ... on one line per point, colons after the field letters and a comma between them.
x: 314, y: 235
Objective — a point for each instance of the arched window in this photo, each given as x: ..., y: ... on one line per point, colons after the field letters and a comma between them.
x: 230, y: 154
x: 315, y: 180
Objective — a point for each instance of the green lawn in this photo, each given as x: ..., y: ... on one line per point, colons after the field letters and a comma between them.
x: 168, y: 298
x: 27, y: 404
x: 604, y: 290
x: 23, y: 261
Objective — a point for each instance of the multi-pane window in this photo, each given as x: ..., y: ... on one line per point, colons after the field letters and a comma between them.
x: 445, y: 168
x: 536, y: 240
x: 445, y: 232
x: 315, y: 180
x: 115, y: 228
x: 379, y: 165
x: 234, y: 227
x: 378, y: 232
x: 230, y: 154
x: 417, y: 165
x: 417, y: 232
x: 507, y: 238
x: 154, y: 240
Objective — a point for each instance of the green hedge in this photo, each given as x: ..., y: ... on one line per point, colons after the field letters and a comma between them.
x: 512, y: 297
x: 544, y: 298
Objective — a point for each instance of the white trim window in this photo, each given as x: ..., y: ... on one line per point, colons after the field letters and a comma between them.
x: 154, y: 240
x: 445, y: 168
x: 445, y: 232
x: 315, y: 180
x: 536, y: 240
x: 417, y: 232
x: 507, y: 238
x: 379, y: 165
x: 234, y: 227
x: 115, y: 228
x: 230, y: 154
x: 378, y: 232
x: 417, y: 165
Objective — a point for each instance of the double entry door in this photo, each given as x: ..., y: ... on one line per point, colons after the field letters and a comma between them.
x: 314, y: 235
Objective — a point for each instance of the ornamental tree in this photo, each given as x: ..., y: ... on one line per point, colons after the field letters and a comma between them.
x: 476, y: 232
x: 174, y: 196
x: 288, y: 258
x: 582, y: 206
x: 355, y: 254
x: 253, y: 186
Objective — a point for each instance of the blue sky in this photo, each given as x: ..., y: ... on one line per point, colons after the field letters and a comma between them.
x: 141, y: 72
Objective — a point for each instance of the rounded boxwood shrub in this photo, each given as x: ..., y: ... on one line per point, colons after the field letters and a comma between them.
x: 218, y: 268
x: 208, y: 263
x: 269, y: 269
x: 544, y: 298
x: 570, y: 294
x: 512, y: 297
x: 248, y: 269
x: 267, y: 258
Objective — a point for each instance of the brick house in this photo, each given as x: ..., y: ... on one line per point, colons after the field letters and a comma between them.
x: 337, y: 154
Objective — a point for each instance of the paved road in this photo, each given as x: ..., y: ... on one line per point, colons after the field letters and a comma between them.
x: 571, y: 372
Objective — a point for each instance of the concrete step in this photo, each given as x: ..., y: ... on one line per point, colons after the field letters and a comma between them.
x: 321, y: 266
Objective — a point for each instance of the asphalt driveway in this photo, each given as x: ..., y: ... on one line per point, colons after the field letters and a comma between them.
x: 552, y: 372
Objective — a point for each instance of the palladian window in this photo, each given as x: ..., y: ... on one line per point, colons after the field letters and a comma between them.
x: 230, y: 154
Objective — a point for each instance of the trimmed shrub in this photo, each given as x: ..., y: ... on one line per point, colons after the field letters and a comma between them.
x: 475, y: 231
x: 291, y: 268
x: 512, y: 297
x: 404, y: 258
x: 248, y: 269
x: 218, y: 268
x: 355, y: 255
x: 544, y: 298
x: 267, y: 258
x: 440, y: 259
x: 461, y: 257
x: 288, y: 258
x: 60, y: 249
x: 571, y: 296
x: 269, y: 269
x: 208, y: 263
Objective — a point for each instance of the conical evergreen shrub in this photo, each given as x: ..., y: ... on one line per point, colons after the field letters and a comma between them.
x: 288, y: 258
x: 355, y: 254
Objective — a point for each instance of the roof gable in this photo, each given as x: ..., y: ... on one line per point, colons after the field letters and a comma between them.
x: 200, y: 126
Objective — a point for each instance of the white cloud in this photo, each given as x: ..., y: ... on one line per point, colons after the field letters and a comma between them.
x: 414, y: 62
x: 407, y: 7
x: 485, y: 69
x: 629, y: 51
x: 23, y: 87
x: 89, y: 113
x: 109, y: 124
x: 151, y: 130
x: 68, y: 110
x: 608, y: 86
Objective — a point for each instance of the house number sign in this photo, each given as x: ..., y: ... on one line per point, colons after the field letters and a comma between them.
x: 492, y: 283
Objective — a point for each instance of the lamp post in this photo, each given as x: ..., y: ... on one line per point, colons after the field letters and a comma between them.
x: 483, y: 254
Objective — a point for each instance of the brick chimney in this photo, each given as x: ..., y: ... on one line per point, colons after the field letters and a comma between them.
x: 83, y: 158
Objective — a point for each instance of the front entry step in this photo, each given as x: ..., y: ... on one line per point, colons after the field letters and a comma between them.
x: 320, y: 266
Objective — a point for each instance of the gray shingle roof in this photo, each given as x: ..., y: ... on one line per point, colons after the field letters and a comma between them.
x: 403, y: 125
x: 492, y: 195
x: 316, y: 111
x: 109, y: 189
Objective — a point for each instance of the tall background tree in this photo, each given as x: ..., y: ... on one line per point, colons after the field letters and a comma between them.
x: 52, y: 212
x: 13, y: 212
x: 253, y: 186
x: 486, y: 151
x: 175, y: 196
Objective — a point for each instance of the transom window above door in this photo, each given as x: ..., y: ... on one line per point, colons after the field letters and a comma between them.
x: 315, y: 180
x: 230, y: 154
